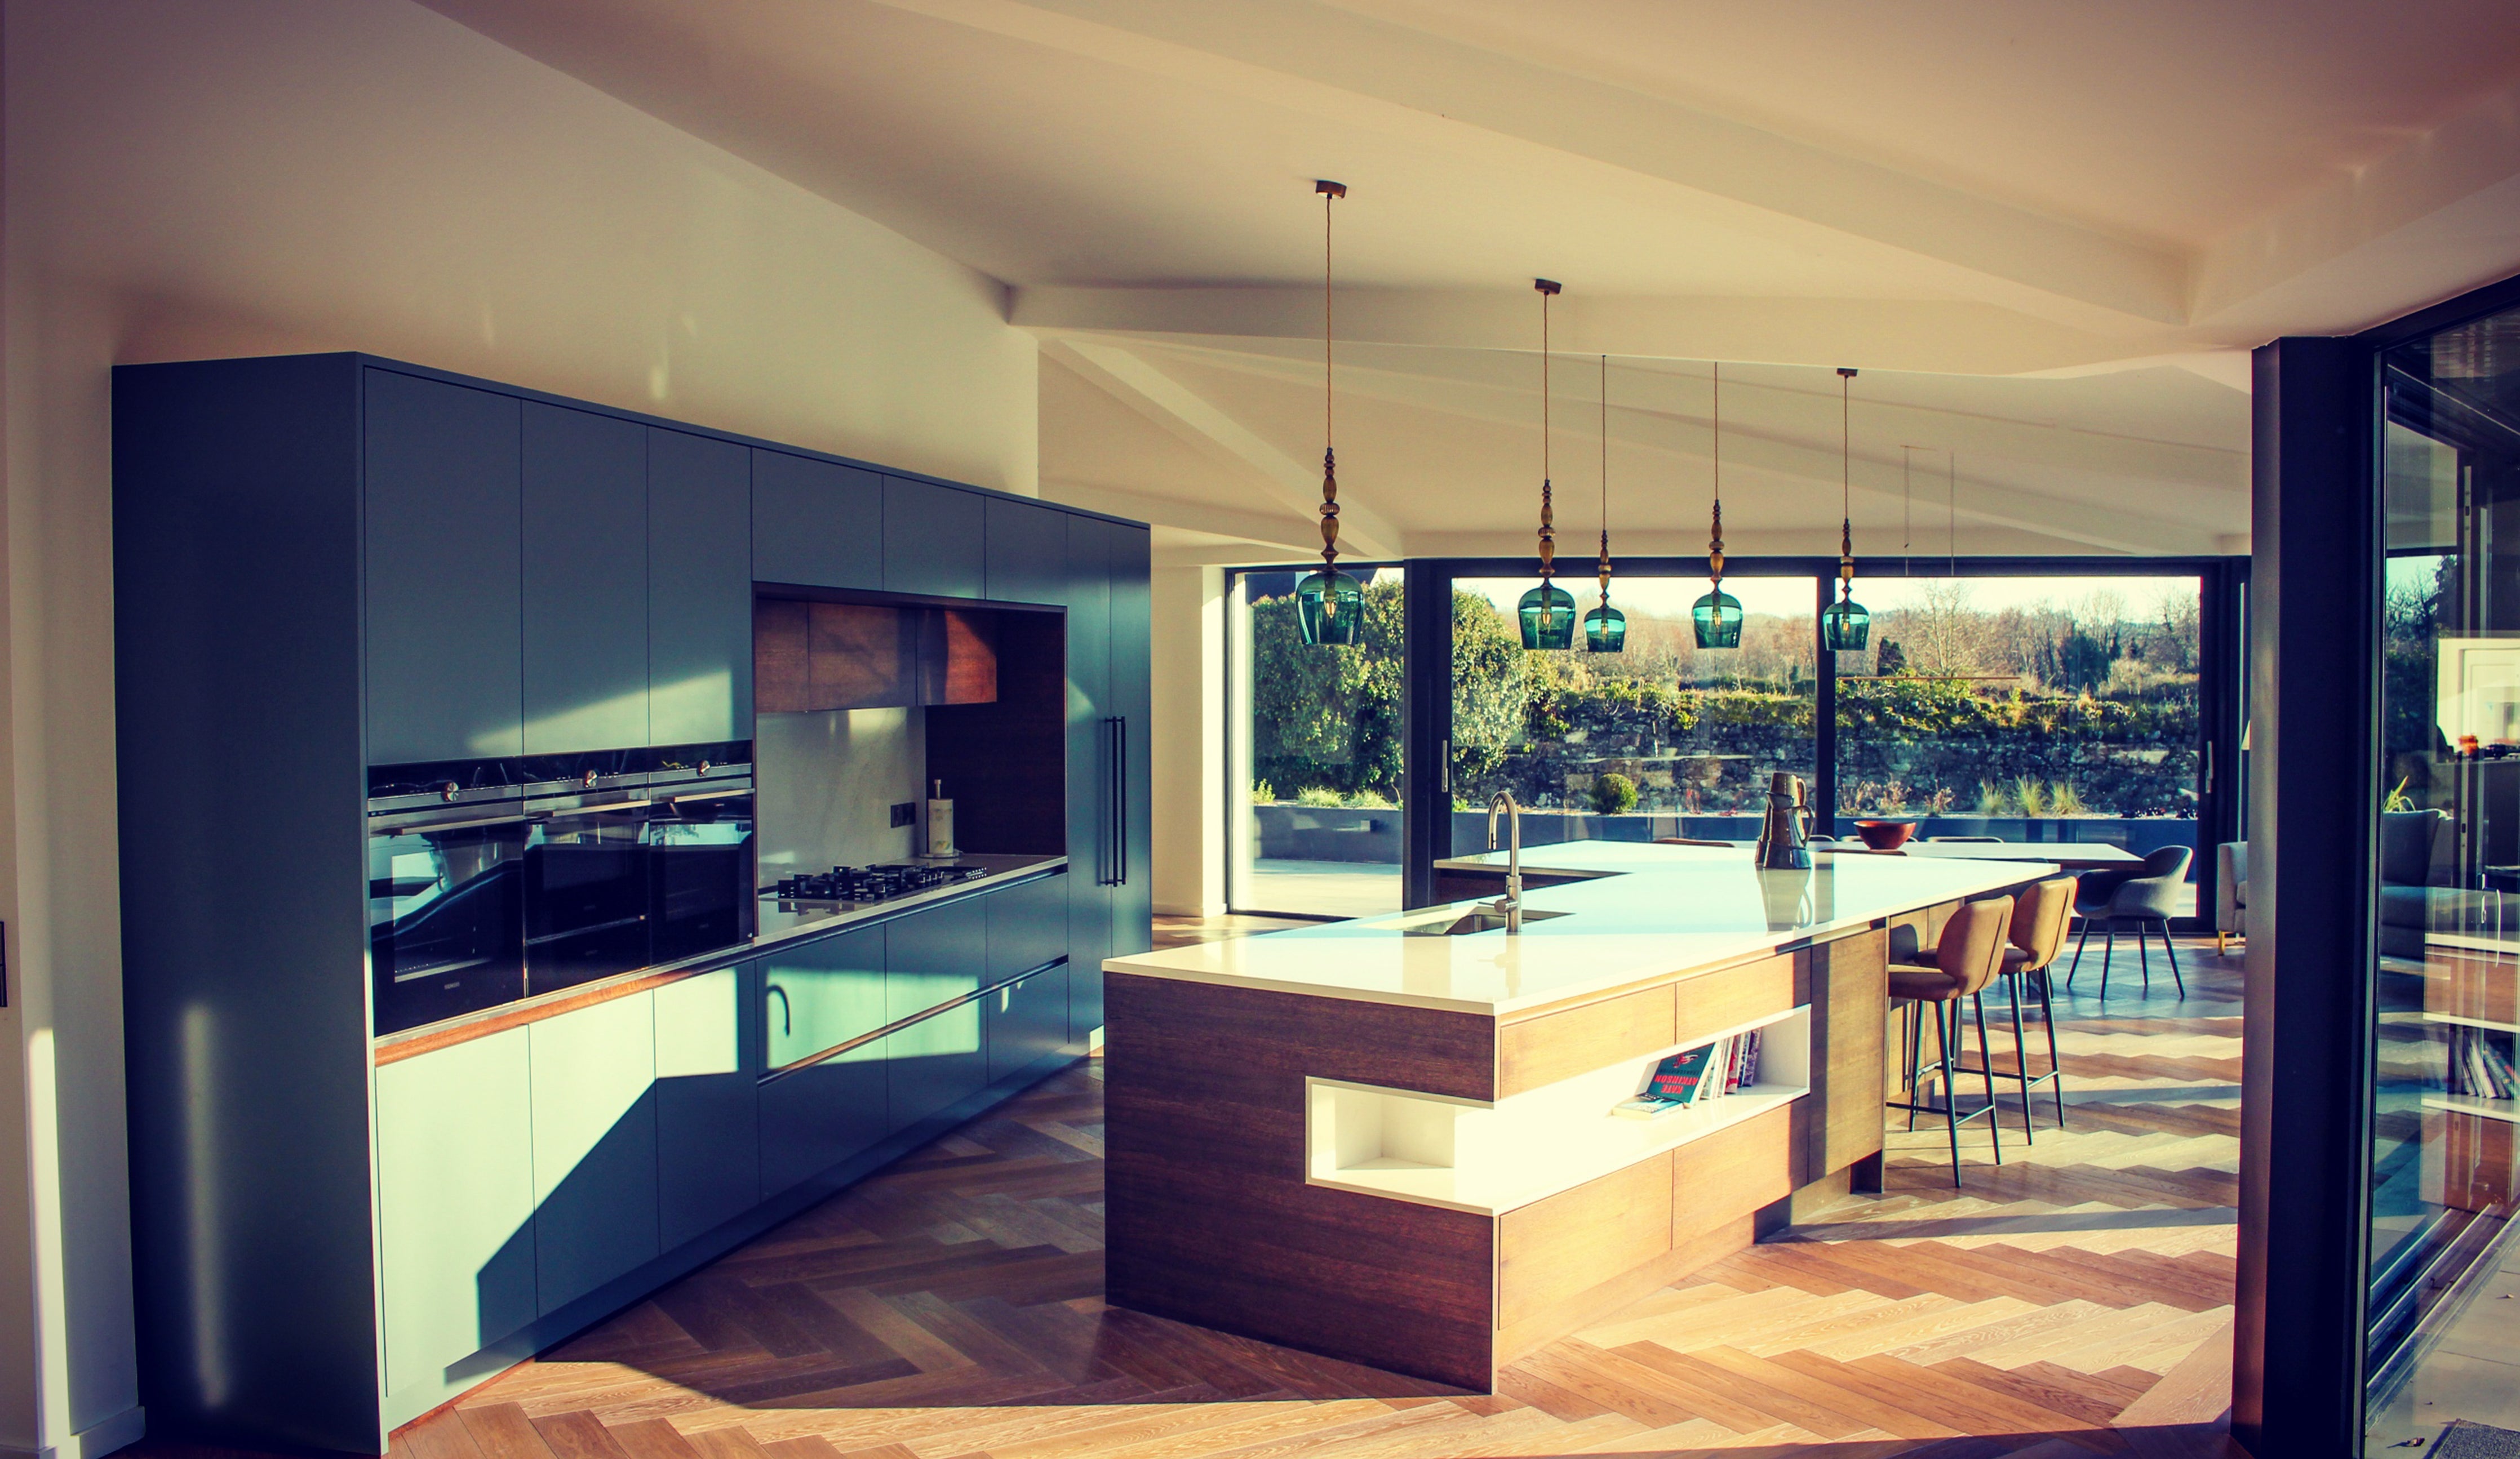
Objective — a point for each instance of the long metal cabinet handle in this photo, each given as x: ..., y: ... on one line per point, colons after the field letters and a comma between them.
x: 1113, y: 862
x: 1120, y: 815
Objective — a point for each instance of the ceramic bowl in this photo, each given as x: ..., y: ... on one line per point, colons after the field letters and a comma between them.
x: 1885, y: 836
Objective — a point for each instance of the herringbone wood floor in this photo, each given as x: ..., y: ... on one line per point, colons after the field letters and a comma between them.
x: 2074, y: 1301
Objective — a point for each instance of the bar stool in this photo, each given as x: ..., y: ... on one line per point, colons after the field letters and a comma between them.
x: 2039, y: 920
x: 1967, y: 957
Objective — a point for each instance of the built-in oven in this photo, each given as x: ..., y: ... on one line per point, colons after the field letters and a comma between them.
x: 517, y: 878
x: 445, y: 908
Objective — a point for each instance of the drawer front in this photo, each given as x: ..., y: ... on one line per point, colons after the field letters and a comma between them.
x: 1712, y: 1002
x: 1572, y: 1242
x: 1576, y: 1040
x: 1733, y: 1173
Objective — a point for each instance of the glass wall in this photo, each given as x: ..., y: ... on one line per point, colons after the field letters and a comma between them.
x: 1661, y: 740
x: 1315, y: 748
x: 2442, y: 1341
x: 2028, y: 708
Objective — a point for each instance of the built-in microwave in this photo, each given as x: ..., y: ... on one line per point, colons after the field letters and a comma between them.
x: 510, y: 879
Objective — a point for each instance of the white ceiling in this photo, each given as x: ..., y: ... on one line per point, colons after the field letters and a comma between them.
x: 2044, y: 233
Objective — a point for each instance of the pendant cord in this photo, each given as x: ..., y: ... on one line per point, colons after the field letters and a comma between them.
x: 1331, y: 193
x: 1548, y: 531
x: 1951, y: 500
x: 1605, y: 480
x: 1906, y: 510
x: 1325, y: 322
x: 1715, y: 532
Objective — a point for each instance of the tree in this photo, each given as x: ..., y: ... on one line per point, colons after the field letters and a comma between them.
x: 1325, y: 717
x: 1488, y: 685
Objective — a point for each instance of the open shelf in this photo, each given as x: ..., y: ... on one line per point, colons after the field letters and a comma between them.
x: 1490, y: 1158
x: 2507, y: 1110
x: 2465, y: 1022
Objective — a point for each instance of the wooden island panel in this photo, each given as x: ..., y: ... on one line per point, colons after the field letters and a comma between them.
x: 1209, y: 1218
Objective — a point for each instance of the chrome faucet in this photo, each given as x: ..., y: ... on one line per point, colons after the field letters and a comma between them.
x: 1510, y: 904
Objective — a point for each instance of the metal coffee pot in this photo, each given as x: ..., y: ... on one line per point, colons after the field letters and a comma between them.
x: 1785, y: 837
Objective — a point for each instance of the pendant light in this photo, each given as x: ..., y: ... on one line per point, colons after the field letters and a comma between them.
x: 1716, y: 616
x: 1547, y: 611
x: 1845, y: 626
x: 1329, y: 604
x: 1605, y: 628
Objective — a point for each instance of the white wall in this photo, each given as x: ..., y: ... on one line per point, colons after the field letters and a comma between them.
x: 198, y: 178
x: 1188, y: 734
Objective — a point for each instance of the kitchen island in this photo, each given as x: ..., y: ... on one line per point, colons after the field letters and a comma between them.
x: 1393, y: 1140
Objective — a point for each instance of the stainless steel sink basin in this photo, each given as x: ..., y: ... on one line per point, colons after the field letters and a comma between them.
x: 1476, y: 919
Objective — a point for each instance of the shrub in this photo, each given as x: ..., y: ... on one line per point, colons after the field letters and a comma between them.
x: 2031, y: 794
x: 1990, y: 800
x: 1263, y: 793
x: 1613, y: 794
x: 1319, y: 795
x: 1369, y: 799
x: 2069, y: 801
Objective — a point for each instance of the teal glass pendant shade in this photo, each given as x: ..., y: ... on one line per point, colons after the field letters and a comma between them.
x: 1329, y: 608
x: 1605, y: 630
x: 1845, y: 626
x: 1547, y: 614
x: 1717, y: 617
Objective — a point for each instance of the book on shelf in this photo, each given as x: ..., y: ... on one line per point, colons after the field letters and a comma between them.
x: 2480, y: 1067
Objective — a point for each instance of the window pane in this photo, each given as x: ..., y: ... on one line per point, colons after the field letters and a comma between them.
x: 2448, y: 833
x: 2028, y: 709
x: 1316, y: 750
x: 1660, y: 740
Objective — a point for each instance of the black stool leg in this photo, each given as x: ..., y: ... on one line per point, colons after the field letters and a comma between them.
x: 2173, y: 955
x: 1945, y: 1030
x: 2020, y: 1055
x: 1986, y: 1063
x: 2048, y: 1015
x: 1915, y: 1059
x: 2107, y: 953
x: 2076, y: 964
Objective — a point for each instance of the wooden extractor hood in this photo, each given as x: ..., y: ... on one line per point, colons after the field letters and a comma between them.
x: 809, y: 657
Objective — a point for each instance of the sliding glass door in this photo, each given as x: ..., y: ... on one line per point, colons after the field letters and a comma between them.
x: 1313, y: 774
x: 2441, y: 1344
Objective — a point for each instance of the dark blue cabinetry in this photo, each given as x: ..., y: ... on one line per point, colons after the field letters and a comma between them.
x: 1027, y: 551
x: 816, y: 523
x: 445, y: 576
x: 935, y: 541
x: 936, y: 956
x: 585, y: 580
x: 699, y: 589
x: 818, y: 1115
x: 708, y: 1103
x: 1133, y: 899
x: 336, y: 561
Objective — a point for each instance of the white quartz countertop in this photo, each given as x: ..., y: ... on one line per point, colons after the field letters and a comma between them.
x: 1649, y: 910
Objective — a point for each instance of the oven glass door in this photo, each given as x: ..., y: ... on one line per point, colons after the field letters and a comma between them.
x: 445, y: 933
x: 699, y: 868
x: 585, y: 896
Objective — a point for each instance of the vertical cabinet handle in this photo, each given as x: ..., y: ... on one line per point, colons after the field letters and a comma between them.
x: 1112, y: 869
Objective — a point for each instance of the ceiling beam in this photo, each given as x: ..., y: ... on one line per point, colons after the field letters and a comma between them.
x: 1147, y: 389
x: 1927, y: 336
x: 1292, y: 537
x: 1326, y: 60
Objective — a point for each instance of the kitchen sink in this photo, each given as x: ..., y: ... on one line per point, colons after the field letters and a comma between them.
x: 1476, y: 919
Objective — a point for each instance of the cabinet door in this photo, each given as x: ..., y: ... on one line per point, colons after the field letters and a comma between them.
x: 1091, y: 839
x: 1133, y: 899
x: 1027, y: 925
x: 1027, y: 551
x: 1027, y: 1022
x: 815, y: 1117
x: 595, y: 1146
x: 816, y: 523
x: 585, y: 580
x: 934, y: 542
x: 699, y: 589
x: 708, y: 1153
x: 444, y: 571
x: 455, y: 1188
x: 936, y: 956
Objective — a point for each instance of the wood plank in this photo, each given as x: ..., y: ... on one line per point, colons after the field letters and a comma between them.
x: 1535, y: 1051
x: 1726, y: 1176
x: 1850, y: 1008
x: 1553, y: 1249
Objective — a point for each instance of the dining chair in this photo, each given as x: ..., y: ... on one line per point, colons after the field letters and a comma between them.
x: 1691, y: 841
x: 2148, y: 895
x: 1967, y: 957
x: 1974, y: 840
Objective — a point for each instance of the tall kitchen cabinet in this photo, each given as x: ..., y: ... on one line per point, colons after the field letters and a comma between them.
x: 328, y: 563
x: 1109, y: 762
